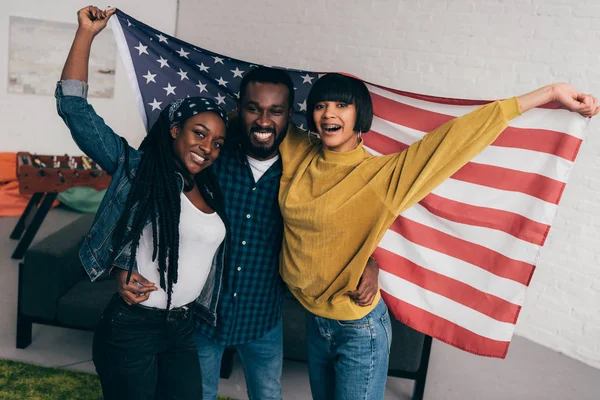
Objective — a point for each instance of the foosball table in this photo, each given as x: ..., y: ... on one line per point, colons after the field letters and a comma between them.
x: 44, y: 177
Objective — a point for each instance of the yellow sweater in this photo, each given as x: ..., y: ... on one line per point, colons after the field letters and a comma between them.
x: 336, y: 206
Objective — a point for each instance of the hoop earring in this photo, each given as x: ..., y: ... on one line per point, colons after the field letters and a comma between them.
x: 359, y: 134
x: 308, y: 135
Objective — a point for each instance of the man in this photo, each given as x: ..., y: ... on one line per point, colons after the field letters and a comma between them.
x: 250, y: 303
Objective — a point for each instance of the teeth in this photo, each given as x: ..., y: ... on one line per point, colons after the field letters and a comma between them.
x: 198, y: 159
x: 331, y: 126
x: 262, y: 135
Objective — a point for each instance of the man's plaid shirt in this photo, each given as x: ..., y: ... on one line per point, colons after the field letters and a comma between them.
x: 252, y: 293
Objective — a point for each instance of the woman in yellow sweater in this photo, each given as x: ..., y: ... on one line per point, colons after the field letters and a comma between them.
x: 337, y: 201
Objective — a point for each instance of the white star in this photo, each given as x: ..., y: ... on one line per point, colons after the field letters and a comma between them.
x: 141, y: 48
x: 307, y: 78
x: 237, y: 94
x: 302, y: 106
x: 222, y: 82
x: 203, y: 67
x: 155, y: 105
x: 182, y: 74
x: 198, y: 50
x: 161, y: 38
x: 149, y: 77
x: 201, y: 86
x: 321, y: 75
x: 129, y: 23
x: 163, y: 62
x: 220, y: 99
x: 237, y: 72
x: 302, y: 127
x: 182, y: 53
x: 170, y: 89
x: 218, y: 60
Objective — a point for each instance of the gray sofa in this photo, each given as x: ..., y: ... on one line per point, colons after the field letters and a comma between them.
x: 55, y: 290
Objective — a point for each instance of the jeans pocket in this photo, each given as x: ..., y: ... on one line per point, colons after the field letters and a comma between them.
x: 387, y: 327
x: 362, y: 323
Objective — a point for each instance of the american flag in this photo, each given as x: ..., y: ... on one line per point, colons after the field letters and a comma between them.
x: 457, y: 265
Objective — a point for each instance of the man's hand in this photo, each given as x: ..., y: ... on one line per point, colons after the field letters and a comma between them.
x: 368, y: 285
x: 93, y: 19
x: 138, y: 289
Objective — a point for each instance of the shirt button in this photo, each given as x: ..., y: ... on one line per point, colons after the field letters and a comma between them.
x: 235, y: 295
x: 247, y: 216
x: 239, y: 268
x: 254, y: 188
x: 243, y: 242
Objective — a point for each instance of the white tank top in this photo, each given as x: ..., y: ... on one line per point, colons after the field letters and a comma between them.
x: 200, y: 235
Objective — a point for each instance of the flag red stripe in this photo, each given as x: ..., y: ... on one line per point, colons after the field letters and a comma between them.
x: 535, y: 185
x: 488, y: 304
x: 453, y: 102
x: 505, y: 221
x: 487, y: 259
x: 541, y: 140
x: 444, y: 330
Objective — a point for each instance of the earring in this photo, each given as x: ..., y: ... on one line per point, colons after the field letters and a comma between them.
x: 308, y: 134
x: 359, y: 134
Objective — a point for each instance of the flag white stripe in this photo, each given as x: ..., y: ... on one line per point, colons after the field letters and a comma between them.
x: 537, y: 118
x: 483, y: 196
x: 492, y: 239
x: 460, y: 270
x: 129, y: 69
x: 445, y: 308
x: 530, y: 161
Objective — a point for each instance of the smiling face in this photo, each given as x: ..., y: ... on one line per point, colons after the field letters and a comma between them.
x: 335, y: 121
x: 264, y: 117
x: 199, y: 141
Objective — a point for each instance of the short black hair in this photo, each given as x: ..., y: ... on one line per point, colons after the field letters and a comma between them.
x: 268, y: 75
x: 337, y: 87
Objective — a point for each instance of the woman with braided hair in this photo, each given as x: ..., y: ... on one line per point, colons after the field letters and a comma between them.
x: 162, y: 216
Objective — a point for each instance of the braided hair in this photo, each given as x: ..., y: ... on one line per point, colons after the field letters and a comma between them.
x: 155, y: 195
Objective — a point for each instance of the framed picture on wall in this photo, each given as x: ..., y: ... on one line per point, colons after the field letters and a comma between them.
x: 37, y: 52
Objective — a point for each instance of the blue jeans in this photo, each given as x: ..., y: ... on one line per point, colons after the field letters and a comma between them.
x: 348, y: 360
x: 262, y: 360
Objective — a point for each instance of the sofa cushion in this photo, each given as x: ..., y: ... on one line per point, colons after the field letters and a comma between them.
x: 82, y: 306
x: 51, y: 267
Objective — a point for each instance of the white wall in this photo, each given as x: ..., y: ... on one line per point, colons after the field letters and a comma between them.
x: 30, y: 122
x: 458, y: 48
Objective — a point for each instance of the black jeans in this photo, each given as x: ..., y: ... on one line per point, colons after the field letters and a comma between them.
x: 139, y: 355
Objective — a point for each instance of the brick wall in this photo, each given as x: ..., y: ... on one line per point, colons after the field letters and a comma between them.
x: 458, y: 48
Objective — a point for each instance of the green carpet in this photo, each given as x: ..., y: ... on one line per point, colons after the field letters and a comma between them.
x: 32, y: 382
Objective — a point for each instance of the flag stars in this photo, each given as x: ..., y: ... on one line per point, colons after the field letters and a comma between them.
x: 182, y: 53
x: 218, y: 60
x: 237, y: 73
x: 220, y: 99
x: 129, y: 23
x: 222, y: 82
x: 182, y: 74
x: 202, y: 86
x: 149, y: 77
x: 163, y: 62
x: 170, y: 89
x: 155, y: 105
x: 302, y: 105
x: 162, y: 38
x: 203, y: 67
x: 141, y: 49
x: 307, y: 79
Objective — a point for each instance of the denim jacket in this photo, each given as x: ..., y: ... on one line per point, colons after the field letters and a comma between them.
x: 98, y: 141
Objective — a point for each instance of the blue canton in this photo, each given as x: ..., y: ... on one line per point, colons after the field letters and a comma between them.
x: 252, y: 292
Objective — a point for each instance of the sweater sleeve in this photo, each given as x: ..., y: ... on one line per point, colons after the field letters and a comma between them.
x: 403, y: 179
